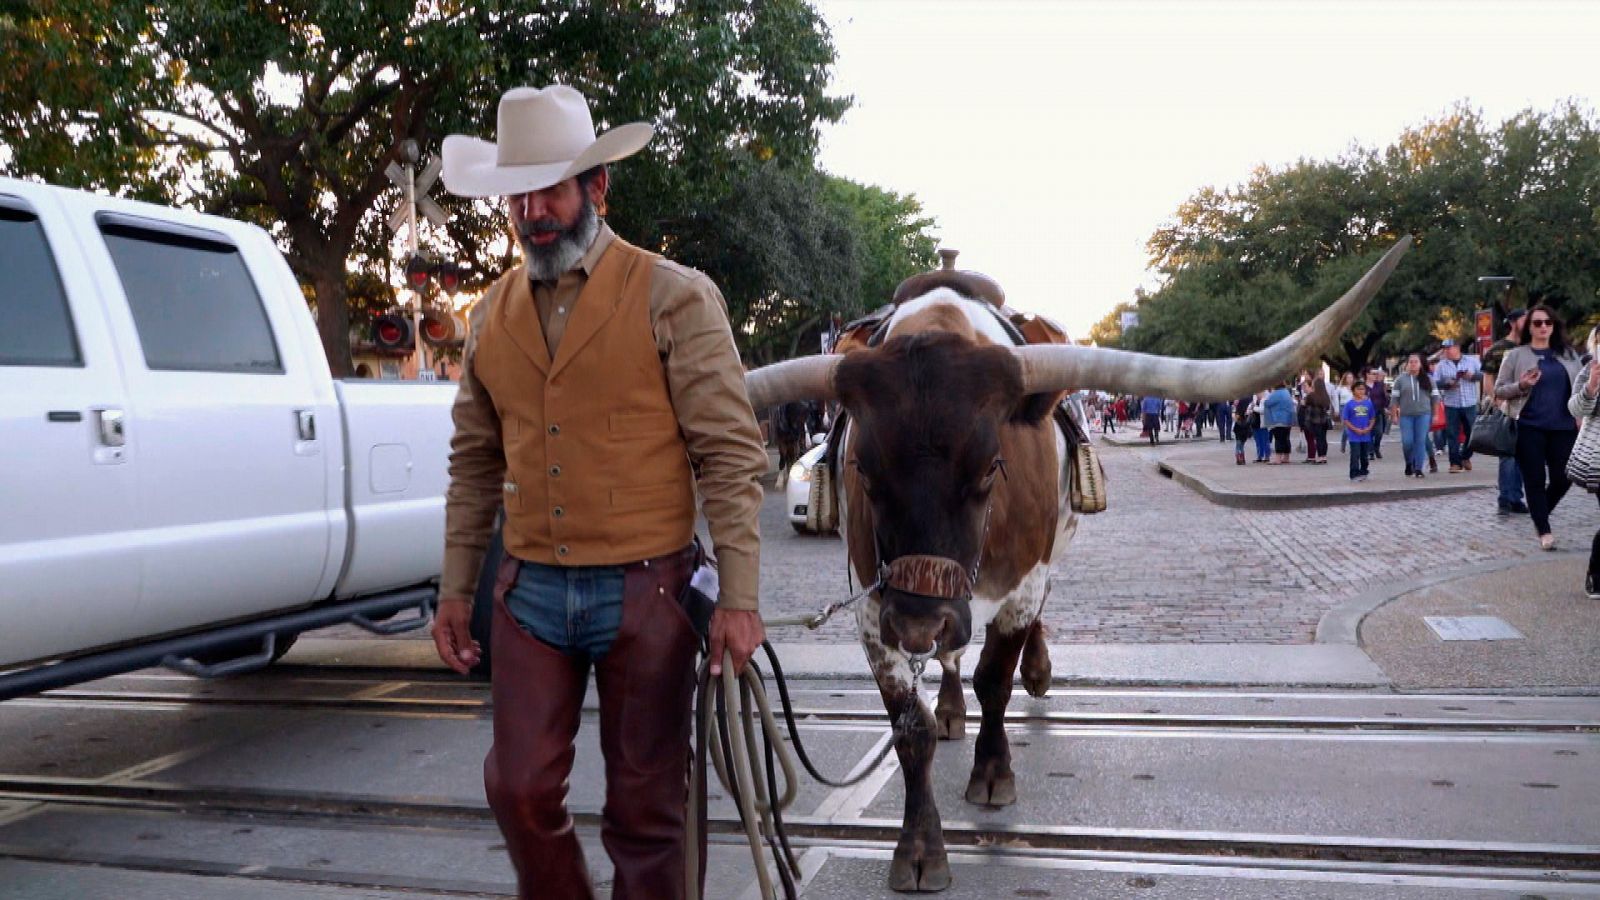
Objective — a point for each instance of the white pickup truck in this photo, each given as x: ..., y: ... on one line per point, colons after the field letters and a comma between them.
x: 175, y: 458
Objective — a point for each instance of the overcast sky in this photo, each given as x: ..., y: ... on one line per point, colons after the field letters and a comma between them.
x: 1051, y: 138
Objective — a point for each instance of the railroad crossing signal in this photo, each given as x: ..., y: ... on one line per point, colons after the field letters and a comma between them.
x: 416, y: 196
x: 415, y: 188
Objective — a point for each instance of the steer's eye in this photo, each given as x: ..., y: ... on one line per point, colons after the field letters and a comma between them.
x: 998, y: 467
x: 861, y: 476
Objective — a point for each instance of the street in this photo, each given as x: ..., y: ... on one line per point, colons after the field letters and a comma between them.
x: 327, y: 778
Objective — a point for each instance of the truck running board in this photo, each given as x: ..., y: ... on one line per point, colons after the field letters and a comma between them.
x: 178, y: 652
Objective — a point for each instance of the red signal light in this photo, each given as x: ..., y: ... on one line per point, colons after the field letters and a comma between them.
x: 449, y: 277
x: 417, y: 271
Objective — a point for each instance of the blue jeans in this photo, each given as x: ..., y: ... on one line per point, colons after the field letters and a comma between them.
x: 575, y: 609
x: 1358, y: 457
x: 1511, y: 482
x: 1458, y: 431
x: 1263, y: 443
x: 1414, y: 439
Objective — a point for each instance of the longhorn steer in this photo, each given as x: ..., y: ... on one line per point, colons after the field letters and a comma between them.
x: 954, y: 493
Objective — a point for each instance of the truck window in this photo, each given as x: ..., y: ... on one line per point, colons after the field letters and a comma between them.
x: 38, y: 326
x: 193, y: 301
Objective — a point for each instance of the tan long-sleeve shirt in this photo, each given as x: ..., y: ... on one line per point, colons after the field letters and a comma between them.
x: 705, y: 381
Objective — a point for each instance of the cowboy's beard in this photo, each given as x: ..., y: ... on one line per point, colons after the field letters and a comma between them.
x: 547, y: 262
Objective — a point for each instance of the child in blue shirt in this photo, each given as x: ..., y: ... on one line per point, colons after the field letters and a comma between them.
x: 1358, y: 416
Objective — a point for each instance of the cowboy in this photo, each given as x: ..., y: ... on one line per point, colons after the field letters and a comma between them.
x: 600, y: 386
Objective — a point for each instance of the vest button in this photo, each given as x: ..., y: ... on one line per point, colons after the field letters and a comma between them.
x: 554, y: 429
x: 561, y: 550
x: 558, y: 512
x: 555, y: 471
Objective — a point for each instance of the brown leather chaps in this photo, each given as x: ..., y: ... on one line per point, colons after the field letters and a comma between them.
x: 646, y: 684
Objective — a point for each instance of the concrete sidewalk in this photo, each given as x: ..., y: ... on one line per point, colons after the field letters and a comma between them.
x: 1373, y: 641
x: 1207, y: 466
x: 1378, y: 639
x: 1543, y: 600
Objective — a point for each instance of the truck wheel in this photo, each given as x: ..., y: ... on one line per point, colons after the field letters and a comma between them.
x: 483, y: 606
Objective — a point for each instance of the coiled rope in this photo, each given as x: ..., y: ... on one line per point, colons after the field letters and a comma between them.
x: 730, y: 711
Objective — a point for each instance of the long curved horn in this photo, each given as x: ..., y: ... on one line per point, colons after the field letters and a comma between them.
x: 806, y: 378
x: 1066, y: 367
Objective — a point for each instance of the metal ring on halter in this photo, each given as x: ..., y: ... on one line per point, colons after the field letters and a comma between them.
x: 919, y: 661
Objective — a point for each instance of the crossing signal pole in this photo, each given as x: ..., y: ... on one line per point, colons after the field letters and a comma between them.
x: 418, y: 269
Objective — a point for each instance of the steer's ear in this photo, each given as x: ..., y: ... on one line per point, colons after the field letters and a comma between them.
x: 1035, y: 408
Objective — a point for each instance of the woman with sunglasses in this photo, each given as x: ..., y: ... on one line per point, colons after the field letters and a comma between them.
x: 1536, y: 380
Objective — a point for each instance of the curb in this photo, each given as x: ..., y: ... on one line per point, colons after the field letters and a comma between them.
x: 1342, y: 624
x: 1320, y: 499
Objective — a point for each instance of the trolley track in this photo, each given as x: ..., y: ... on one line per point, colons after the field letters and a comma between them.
x: 1563, y: 862
x: 481, y: 708
x: 841, y: 828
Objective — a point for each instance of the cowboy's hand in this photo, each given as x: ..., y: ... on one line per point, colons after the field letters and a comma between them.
x: 452, y: 634
x: 739, y: 631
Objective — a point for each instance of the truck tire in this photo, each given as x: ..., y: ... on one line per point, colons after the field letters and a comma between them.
x: 483, y: 606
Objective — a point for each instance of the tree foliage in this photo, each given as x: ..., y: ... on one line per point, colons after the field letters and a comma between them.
x: 792, y: 249
x: 1241, y: 267
x: 286, y: 112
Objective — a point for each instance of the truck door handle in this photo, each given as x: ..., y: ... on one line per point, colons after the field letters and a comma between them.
x: 307, y: 423
x: 112, y: 428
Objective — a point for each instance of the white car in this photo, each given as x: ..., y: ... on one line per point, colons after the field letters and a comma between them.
x: 798, y: 499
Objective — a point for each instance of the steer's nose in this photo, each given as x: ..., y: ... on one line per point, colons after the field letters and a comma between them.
x: 921, y: 633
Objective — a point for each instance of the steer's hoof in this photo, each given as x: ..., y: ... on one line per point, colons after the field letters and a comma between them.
x: 992, y: 790
x: 917, y: 869
x: 950, y: 724
x: 1037, y: 681
x: 1036, y: 663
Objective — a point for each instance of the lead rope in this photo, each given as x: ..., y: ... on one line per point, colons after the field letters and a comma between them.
x: 730, y: 711
x: 743, y: 699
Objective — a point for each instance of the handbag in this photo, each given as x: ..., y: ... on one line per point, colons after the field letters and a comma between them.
x: 1438, y: 416
x: 1494, y: 434
x: 1583, y: 466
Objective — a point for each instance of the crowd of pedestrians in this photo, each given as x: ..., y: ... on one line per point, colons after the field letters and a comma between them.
x: 1535, y: 375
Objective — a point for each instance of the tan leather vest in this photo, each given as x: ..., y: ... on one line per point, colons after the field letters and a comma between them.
x: 596, y: 470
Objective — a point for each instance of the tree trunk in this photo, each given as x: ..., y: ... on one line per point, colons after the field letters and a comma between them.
x: 1358, y: 354
x: 333, y: 318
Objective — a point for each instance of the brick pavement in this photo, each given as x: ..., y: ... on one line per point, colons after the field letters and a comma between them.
x: 1162, y: 564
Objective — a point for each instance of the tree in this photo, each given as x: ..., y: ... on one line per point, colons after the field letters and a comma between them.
x: 1243, y: 266
x: 892, y: 238
x: 791, y: 248
x: 1108, y: 331
x: 285, y: 112
x: 783, y: 256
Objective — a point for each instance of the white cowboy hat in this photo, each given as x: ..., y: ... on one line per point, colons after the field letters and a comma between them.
x: 545, y: 136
